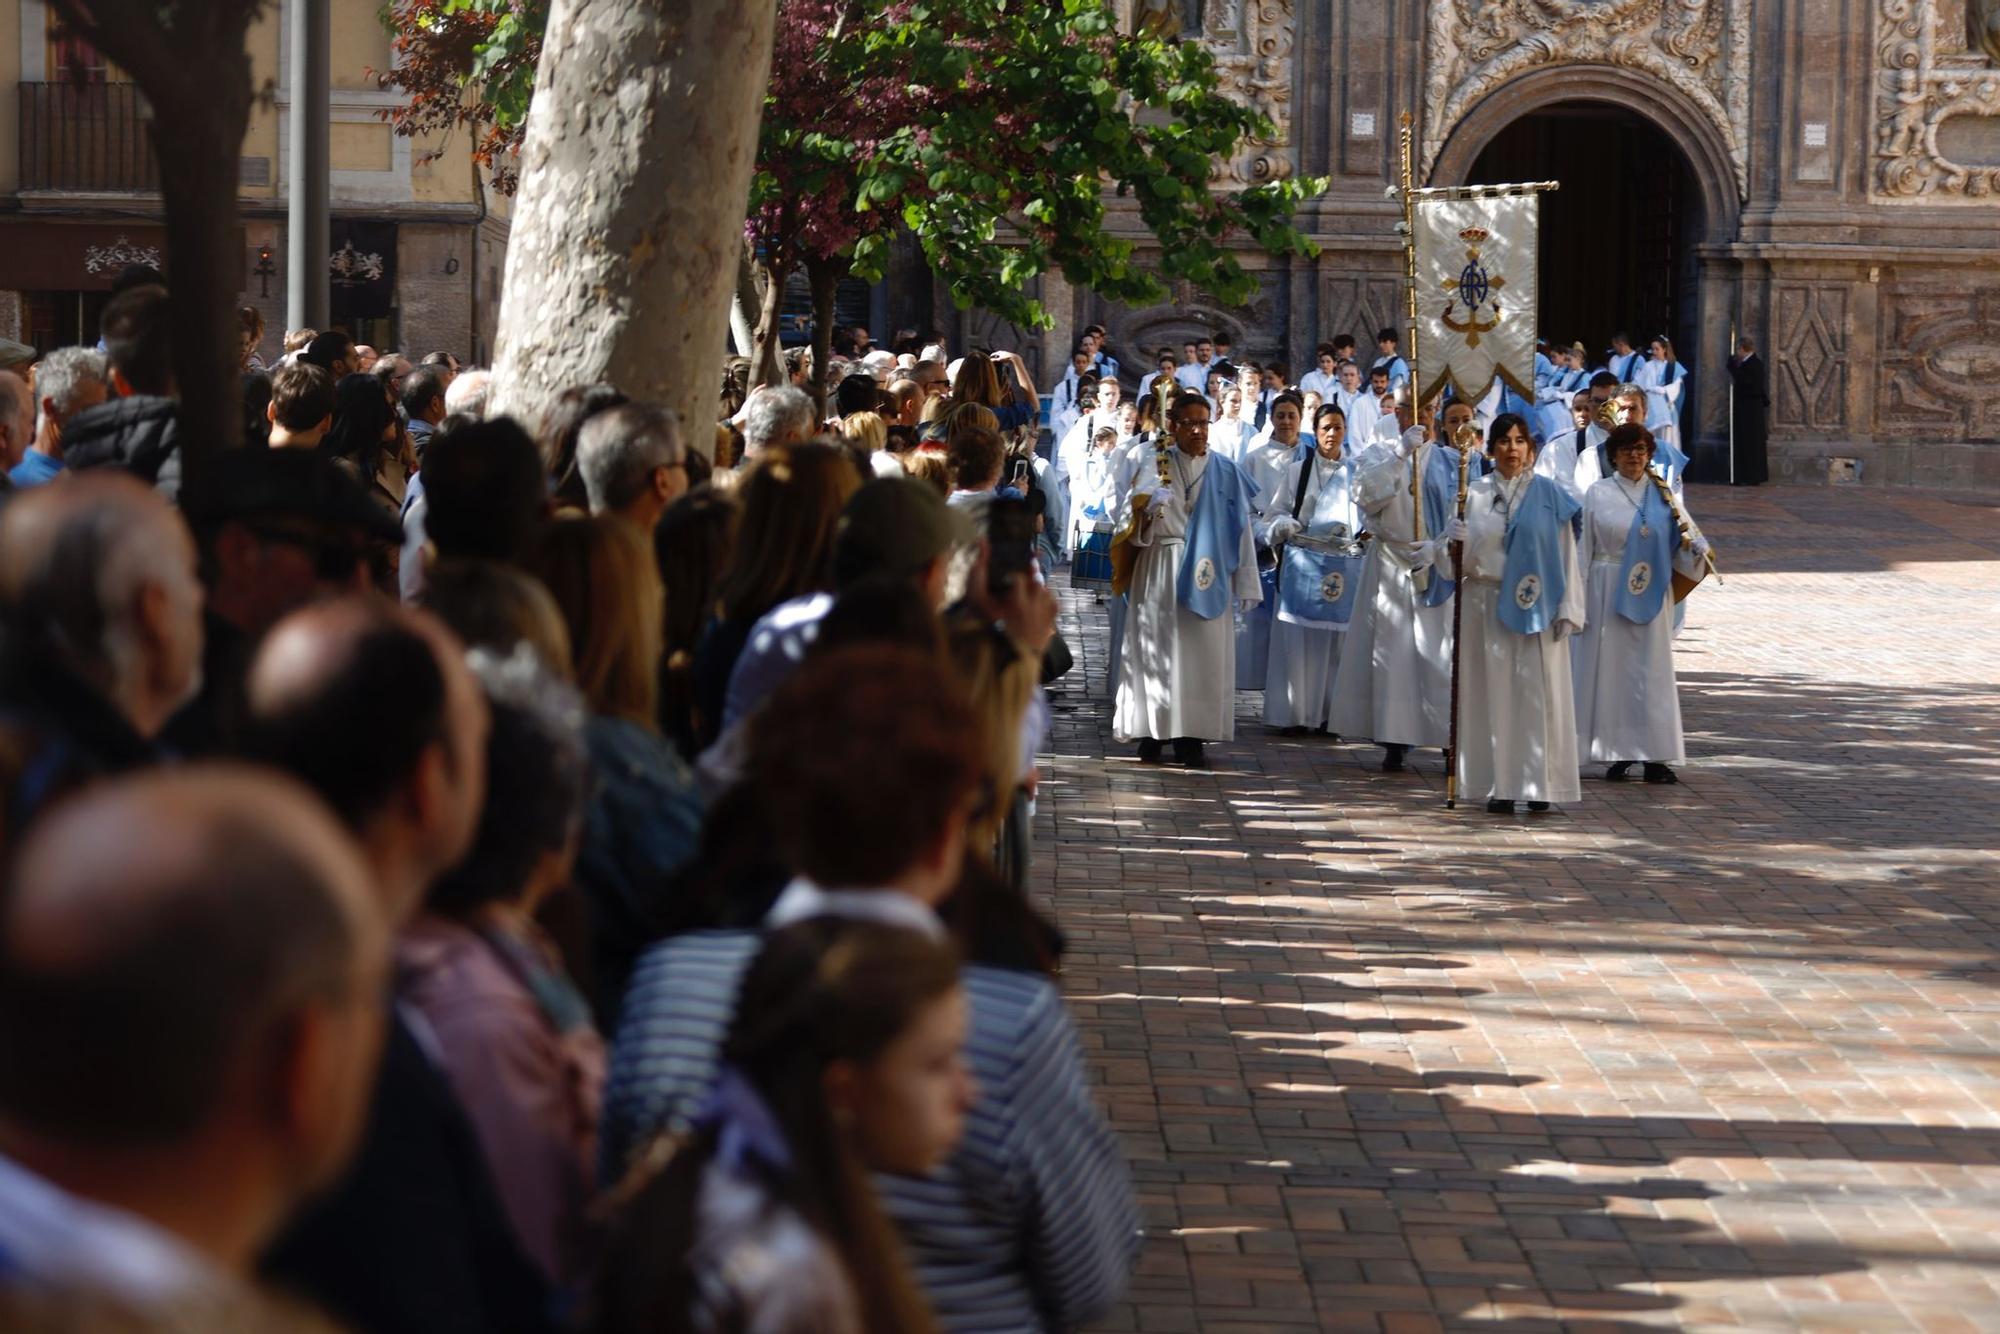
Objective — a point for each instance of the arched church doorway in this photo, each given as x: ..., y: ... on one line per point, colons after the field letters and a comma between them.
x: 1618, y: 240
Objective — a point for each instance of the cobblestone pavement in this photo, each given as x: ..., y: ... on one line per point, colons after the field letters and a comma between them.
x: 1721, y: 1055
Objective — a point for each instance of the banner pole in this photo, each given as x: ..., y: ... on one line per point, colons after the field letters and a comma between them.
x: 1419, y: 579
x: 1732, y: 404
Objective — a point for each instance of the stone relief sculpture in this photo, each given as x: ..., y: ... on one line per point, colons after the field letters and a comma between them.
x: 1922, y: 82
x: 1252, y: 41
x: 1985, y: 27
x: 1701, y: 47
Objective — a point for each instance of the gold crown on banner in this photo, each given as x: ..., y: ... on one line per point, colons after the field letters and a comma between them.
x: 1474, y: 235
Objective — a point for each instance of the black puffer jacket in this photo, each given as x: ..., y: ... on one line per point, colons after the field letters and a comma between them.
x: 140, y: 434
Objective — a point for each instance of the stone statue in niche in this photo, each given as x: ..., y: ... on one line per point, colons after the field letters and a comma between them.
x: 1159, y: 19
x: 1982, y: 22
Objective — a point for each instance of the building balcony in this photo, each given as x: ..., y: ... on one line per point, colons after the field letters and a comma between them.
x: 87, y: 138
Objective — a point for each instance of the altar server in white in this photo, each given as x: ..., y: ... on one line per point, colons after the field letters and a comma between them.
x: 1318, y: 579
x: 1625, y: 359
x: 1071, y: 397
x: 1323, y: 379
x: 1524, y: 596
x: 1665, y: 381
x: 1361, y: 408
x: 1557, y: 458
x: 1394, y: 680
x: 1628, y: 708
x: 1554, y: 396
x: 1230, y: 433
x: 1197, y: 562
x: 1264, y: 463
x: 1275, y: 448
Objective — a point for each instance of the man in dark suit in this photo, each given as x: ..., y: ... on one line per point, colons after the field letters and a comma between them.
x: 1750, y: 407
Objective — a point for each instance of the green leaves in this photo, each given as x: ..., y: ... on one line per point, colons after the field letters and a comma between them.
x: 994, y: 130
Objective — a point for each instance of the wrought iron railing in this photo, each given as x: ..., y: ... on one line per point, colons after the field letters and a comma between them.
x: 92, y: 137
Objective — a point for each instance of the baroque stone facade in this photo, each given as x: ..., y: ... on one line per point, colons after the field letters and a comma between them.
x: 1843, y: 203
x: 1922, y: 85
x: 1700, y: 47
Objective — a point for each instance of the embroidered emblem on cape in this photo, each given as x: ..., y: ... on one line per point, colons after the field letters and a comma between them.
x: 1641, y: 577
x: 1528, y: 592
x: 1204, y: 574
x: 1331, y: 587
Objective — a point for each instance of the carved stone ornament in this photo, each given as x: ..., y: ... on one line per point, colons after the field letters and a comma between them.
x: 1920, y: 84
x: 1252, y: 41
x: 1701, y: 47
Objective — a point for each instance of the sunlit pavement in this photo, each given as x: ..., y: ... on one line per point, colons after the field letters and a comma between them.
x: 1725, y: 1054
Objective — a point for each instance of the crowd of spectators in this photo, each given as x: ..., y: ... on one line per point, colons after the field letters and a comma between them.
x: 474, y: 874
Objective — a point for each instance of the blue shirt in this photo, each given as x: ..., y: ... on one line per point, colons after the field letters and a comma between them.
x: 34, y: 469
x: 1030, y: 1224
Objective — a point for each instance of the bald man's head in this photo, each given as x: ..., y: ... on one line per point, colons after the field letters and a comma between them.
x: 106, y: 568
x: 164, y: 940
x: 373, y: 706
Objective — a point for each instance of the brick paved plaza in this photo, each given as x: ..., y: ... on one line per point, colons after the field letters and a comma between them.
x: 1725, y: 1054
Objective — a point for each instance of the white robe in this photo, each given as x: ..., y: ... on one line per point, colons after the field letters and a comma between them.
x: 1575, y: 459
x: 1193, y: 376
x: 1129, y: 458
x: 1363, y: 411
x: 1177, y: 677
x: 1627, y: 701
x: 1231, y: 437
x: 1517, y: 710
x: 1070, y: 453
x: 1317, y: 381
x: 1553, y: 400
x: 1663, y: 400
x: 1305, y: 659
x: 1394, y: 680
x: 1264, y: 464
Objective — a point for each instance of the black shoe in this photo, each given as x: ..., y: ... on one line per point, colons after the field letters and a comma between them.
x: 1538, y: 807
x: 1616, y: 773
x: 1291, y: 731
x: 1189, y: 752
x: 1149, y: 750
x: 1660, y: 773
x: 1499, y: 807
x: 1392, y: 758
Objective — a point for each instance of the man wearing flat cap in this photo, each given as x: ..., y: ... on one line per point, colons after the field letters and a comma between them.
x: 276, y: 529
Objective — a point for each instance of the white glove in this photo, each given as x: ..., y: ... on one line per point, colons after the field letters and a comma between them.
x: 1564, y: 629
x: 1283, y: 529
x: 1406, y: 444
x: 1453, y: 531
x: 1423, y: 555
x: 1701, y: 547
x: 1248, y: 605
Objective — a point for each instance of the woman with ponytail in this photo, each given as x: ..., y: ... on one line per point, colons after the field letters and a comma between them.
x: 844, y: 1059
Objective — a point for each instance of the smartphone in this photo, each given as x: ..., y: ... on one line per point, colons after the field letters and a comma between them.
x: 1010, y: 535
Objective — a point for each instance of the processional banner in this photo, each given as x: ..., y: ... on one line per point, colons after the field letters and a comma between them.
x: 1476, y: 299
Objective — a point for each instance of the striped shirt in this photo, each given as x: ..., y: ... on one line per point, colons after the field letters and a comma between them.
x: 1030, y: 1225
